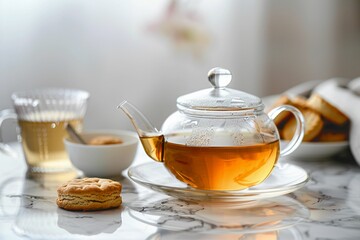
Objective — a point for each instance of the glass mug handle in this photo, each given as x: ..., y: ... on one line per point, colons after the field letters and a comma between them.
x: 5, y: 115
x: 300, y: 125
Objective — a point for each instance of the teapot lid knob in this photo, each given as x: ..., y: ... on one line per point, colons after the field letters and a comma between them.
x: 219, y: 77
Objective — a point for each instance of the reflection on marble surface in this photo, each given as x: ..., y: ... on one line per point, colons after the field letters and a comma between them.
x: 96, y: 222
x: 247, y: 217
x: 353, y: 198
x: 326, y: 208
x: 327, y: 197
x: 37, y: 215
x: 286, y: 234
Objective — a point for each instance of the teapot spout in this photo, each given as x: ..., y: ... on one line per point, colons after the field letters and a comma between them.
x: 140, y: 122
x: 151, y: 139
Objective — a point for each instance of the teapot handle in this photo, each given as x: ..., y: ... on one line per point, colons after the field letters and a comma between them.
x: 300, y: 125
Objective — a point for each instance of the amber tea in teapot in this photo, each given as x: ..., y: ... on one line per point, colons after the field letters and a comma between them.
x: 214, y: 167
x: 219, y: 139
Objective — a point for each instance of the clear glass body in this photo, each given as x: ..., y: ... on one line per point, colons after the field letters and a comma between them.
x: 220, y: 152
x: 218, y: 129
x: 216, y: 150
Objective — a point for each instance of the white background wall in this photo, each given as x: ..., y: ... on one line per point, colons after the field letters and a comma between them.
x: 109, y: 49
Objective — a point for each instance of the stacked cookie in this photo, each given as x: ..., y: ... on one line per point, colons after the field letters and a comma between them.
x: 323, y: 121
x: 89, y: 194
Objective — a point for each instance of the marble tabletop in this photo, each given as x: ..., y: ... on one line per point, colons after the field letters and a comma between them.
x: 328, y: 207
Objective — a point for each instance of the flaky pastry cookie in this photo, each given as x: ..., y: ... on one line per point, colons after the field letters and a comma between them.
x: 327, y: 110
x: 283, y: 100
x: 313, y: 125
x: 89, y: 194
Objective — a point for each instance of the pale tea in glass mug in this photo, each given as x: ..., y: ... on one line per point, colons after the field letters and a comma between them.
x: 43, y: 116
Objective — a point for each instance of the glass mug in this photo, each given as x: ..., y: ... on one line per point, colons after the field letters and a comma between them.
x: 43, y: 116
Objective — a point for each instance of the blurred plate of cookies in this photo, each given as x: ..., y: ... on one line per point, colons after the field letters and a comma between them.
x: 326, y: 127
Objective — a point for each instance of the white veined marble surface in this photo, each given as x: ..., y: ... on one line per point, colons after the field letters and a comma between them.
x: 328, y: 207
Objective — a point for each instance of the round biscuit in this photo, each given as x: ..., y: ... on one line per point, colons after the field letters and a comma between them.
x: 334, y: 133
x: 89, y: 194
x: 327, y: 136
x: 327, y: 110
x: 299, y: 101
x: 283, y: 116
x: 313, y: 126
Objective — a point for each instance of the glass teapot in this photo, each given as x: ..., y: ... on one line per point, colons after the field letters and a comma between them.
x: 219, y: 139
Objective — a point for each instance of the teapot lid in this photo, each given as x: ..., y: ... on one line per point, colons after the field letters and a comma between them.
x: 219, y: 98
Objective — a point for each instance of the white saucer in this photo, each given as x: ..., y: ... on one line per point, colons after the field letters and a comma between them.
x: 285, y: 178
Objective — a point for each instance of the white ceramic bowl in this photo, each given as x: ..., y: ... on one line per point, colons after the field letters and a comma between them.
x: 103, y: 160
x: 310, y: 151
x: 314, y: 151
